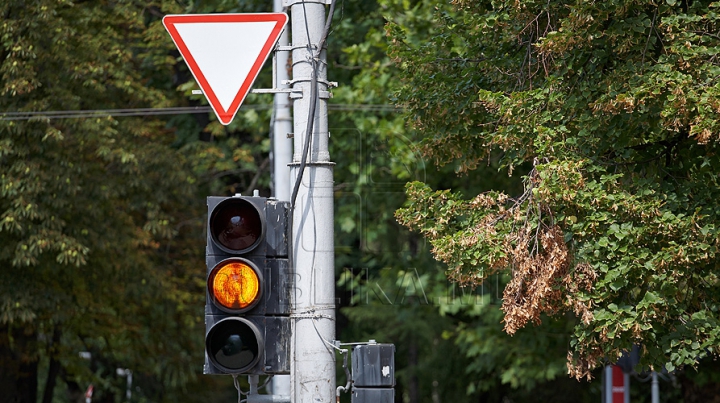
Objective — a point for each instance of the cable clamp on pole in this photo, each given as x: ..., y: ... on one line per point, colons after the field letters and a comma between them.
x: 330, y: 84
x: 288, y: 3
x: 301, y: 94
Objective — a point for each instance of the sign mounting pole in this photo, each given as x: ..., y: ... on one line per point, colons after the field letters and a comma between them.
x: 281, y: 152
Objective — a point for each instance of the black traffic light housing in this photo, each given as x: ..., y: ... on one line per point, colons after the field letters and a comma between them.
x: 247, y: 326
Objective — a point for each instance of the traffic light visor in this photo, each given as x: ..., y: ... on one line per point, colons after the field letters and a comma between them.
x: 234, y: 285
x: 236, y: 225
x: 234, y: 345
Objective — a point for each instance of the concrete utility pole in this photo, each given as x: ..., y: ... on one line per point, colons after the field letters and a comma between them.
x: 282, y: 122
x: 313, y: 360
x: 282, y: 152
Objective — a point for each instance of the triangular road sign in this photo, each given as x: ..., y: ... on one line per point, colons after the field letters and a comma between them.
x: 225, y: 53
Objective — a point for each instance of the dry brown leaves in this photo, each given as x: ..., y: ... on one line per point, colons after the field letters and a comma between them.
x: 542, y: 282
x: 581, y: 279
x: 540, y: 262
x: 581, y: 367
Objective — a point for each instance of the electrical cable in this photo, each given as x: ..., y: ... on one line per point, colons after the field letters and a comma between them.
x: 308, y: 131
x: 237, y: 386
x: 307, y: 28
x: 326, y: 29
x: 267, y: 380
x: 95, y: 113
x: 345, y: 388
x: 90, y: 113
x: 120, y: 111
x: 342, y: 16
x: 329, y: 343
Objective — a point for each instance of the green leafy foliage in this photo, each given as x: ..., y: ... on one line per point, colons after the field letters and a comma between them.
x: 449, y: 340
x: 95, y: 213
x: 609, y: 110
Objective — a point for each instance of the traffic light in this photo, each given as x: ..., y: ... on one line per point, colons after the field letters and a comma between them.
x: 247, y: 326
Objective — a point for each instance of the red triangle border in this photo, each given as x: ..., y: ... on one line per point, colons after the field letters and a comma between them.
x: 225, y: 116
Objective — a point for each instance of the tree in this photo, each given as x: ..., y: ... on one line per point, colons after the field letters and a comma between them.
x: 94, y: 212
x: 449, y: 340
x: 609, y: 112
x: 101, y: 218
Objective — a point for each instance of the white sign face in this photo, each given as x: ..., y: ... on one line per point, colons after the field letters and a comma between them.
x: 225, y: 52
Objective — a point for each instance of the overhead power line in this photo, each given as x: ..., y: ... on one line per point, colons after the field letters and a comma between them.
x: 91, y: 113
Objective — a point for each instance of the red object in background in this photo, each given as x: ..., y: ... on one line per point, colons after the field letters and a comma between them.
x: 618, y: 385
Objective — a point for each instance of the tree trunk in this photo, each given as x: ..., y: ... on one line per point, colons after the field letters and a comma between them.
x: 18, y: 368
x: 414, y: 386
x: 54, y: 367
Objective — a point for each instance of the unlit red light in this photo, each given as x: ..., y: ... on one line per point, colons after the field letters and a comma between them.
x: 236, y: 225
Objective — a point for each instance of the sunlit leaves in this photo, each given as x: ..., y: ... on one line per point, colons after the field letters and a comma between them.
x: 615, y: 105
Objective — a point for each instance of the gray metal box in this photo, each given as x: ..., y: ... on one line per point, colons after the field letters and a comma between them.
x: 373, y: 365
x: 362, y: 395
x: 276, y: 218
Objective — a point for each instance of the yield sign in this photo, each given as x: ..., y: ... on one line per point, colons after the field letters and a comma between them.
x: 225, y: 53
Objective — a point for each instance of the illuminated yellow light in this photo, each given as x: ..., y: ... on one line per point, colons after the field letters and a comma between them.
x: 235, y: 285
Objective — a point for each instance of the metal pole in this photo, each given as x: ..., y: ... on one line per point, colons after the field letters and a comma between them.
x: 282, y: 153
x: 608, y: 384
x: 655, y: 388
x: 313, y: 360
x: 282, y: 123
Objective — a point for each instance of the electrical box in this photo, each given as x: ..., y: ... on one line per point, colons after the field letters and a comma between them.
x: 367, y: 395
x: 373, y: 366
x: 373, y: 373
